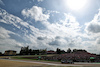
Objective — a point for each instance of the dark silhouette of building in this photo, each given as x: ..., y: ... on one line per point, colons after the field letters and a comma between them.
x: 10, y: 52
x: 51, y: 52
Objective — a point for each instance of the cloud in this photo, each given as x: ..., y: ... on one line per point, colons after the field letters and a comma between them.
x: 11, y: 19
x: 64, y: 27
x: 98, y: 40
x: 5, y: 33
x: 24, y: 30
x: 39, y: 0
x: 1, y: 2
x: 94, y: 25
x: 57, y: 37
x: 92, y: 30
x: 40, y: 38
x: 92, y: 46
x: 6, y: 42
x: 64, y: 33
x: 21, y: 29
x: 35, y: 13
x: 51, y: 37
x: 69, y: 26
x: 56, y: 42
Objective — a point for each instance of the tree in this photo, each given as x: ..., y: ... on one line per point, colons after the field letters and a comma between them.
x: 35, y: 52
x: 0, y: 53
x: 69, y: 50
x: 43, y: 51
x: 77, y: 50
x: 74, y: 50
x: 62, y: 51
x: 27, y: 50
x: 24, y: 50
x: 30, y: 51
x: 58, y: 51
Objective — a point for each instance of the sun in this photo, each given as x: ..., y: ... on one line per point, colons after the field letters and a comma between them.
x: 76, y: 4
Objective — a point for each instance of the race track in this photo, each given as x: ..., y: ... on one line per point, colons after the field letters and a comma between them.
x: 80, y: 64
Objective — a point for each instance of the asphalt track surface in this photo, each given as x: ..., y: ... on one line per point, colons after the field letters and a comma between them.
x: 80, y: 64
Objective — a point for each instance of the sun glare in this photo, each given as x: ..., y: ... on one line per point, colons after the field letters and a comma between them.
x: 76, y: 4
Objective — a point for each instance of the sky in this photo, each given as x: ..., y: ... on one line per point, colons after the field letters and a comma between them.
x: 50, y: 24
